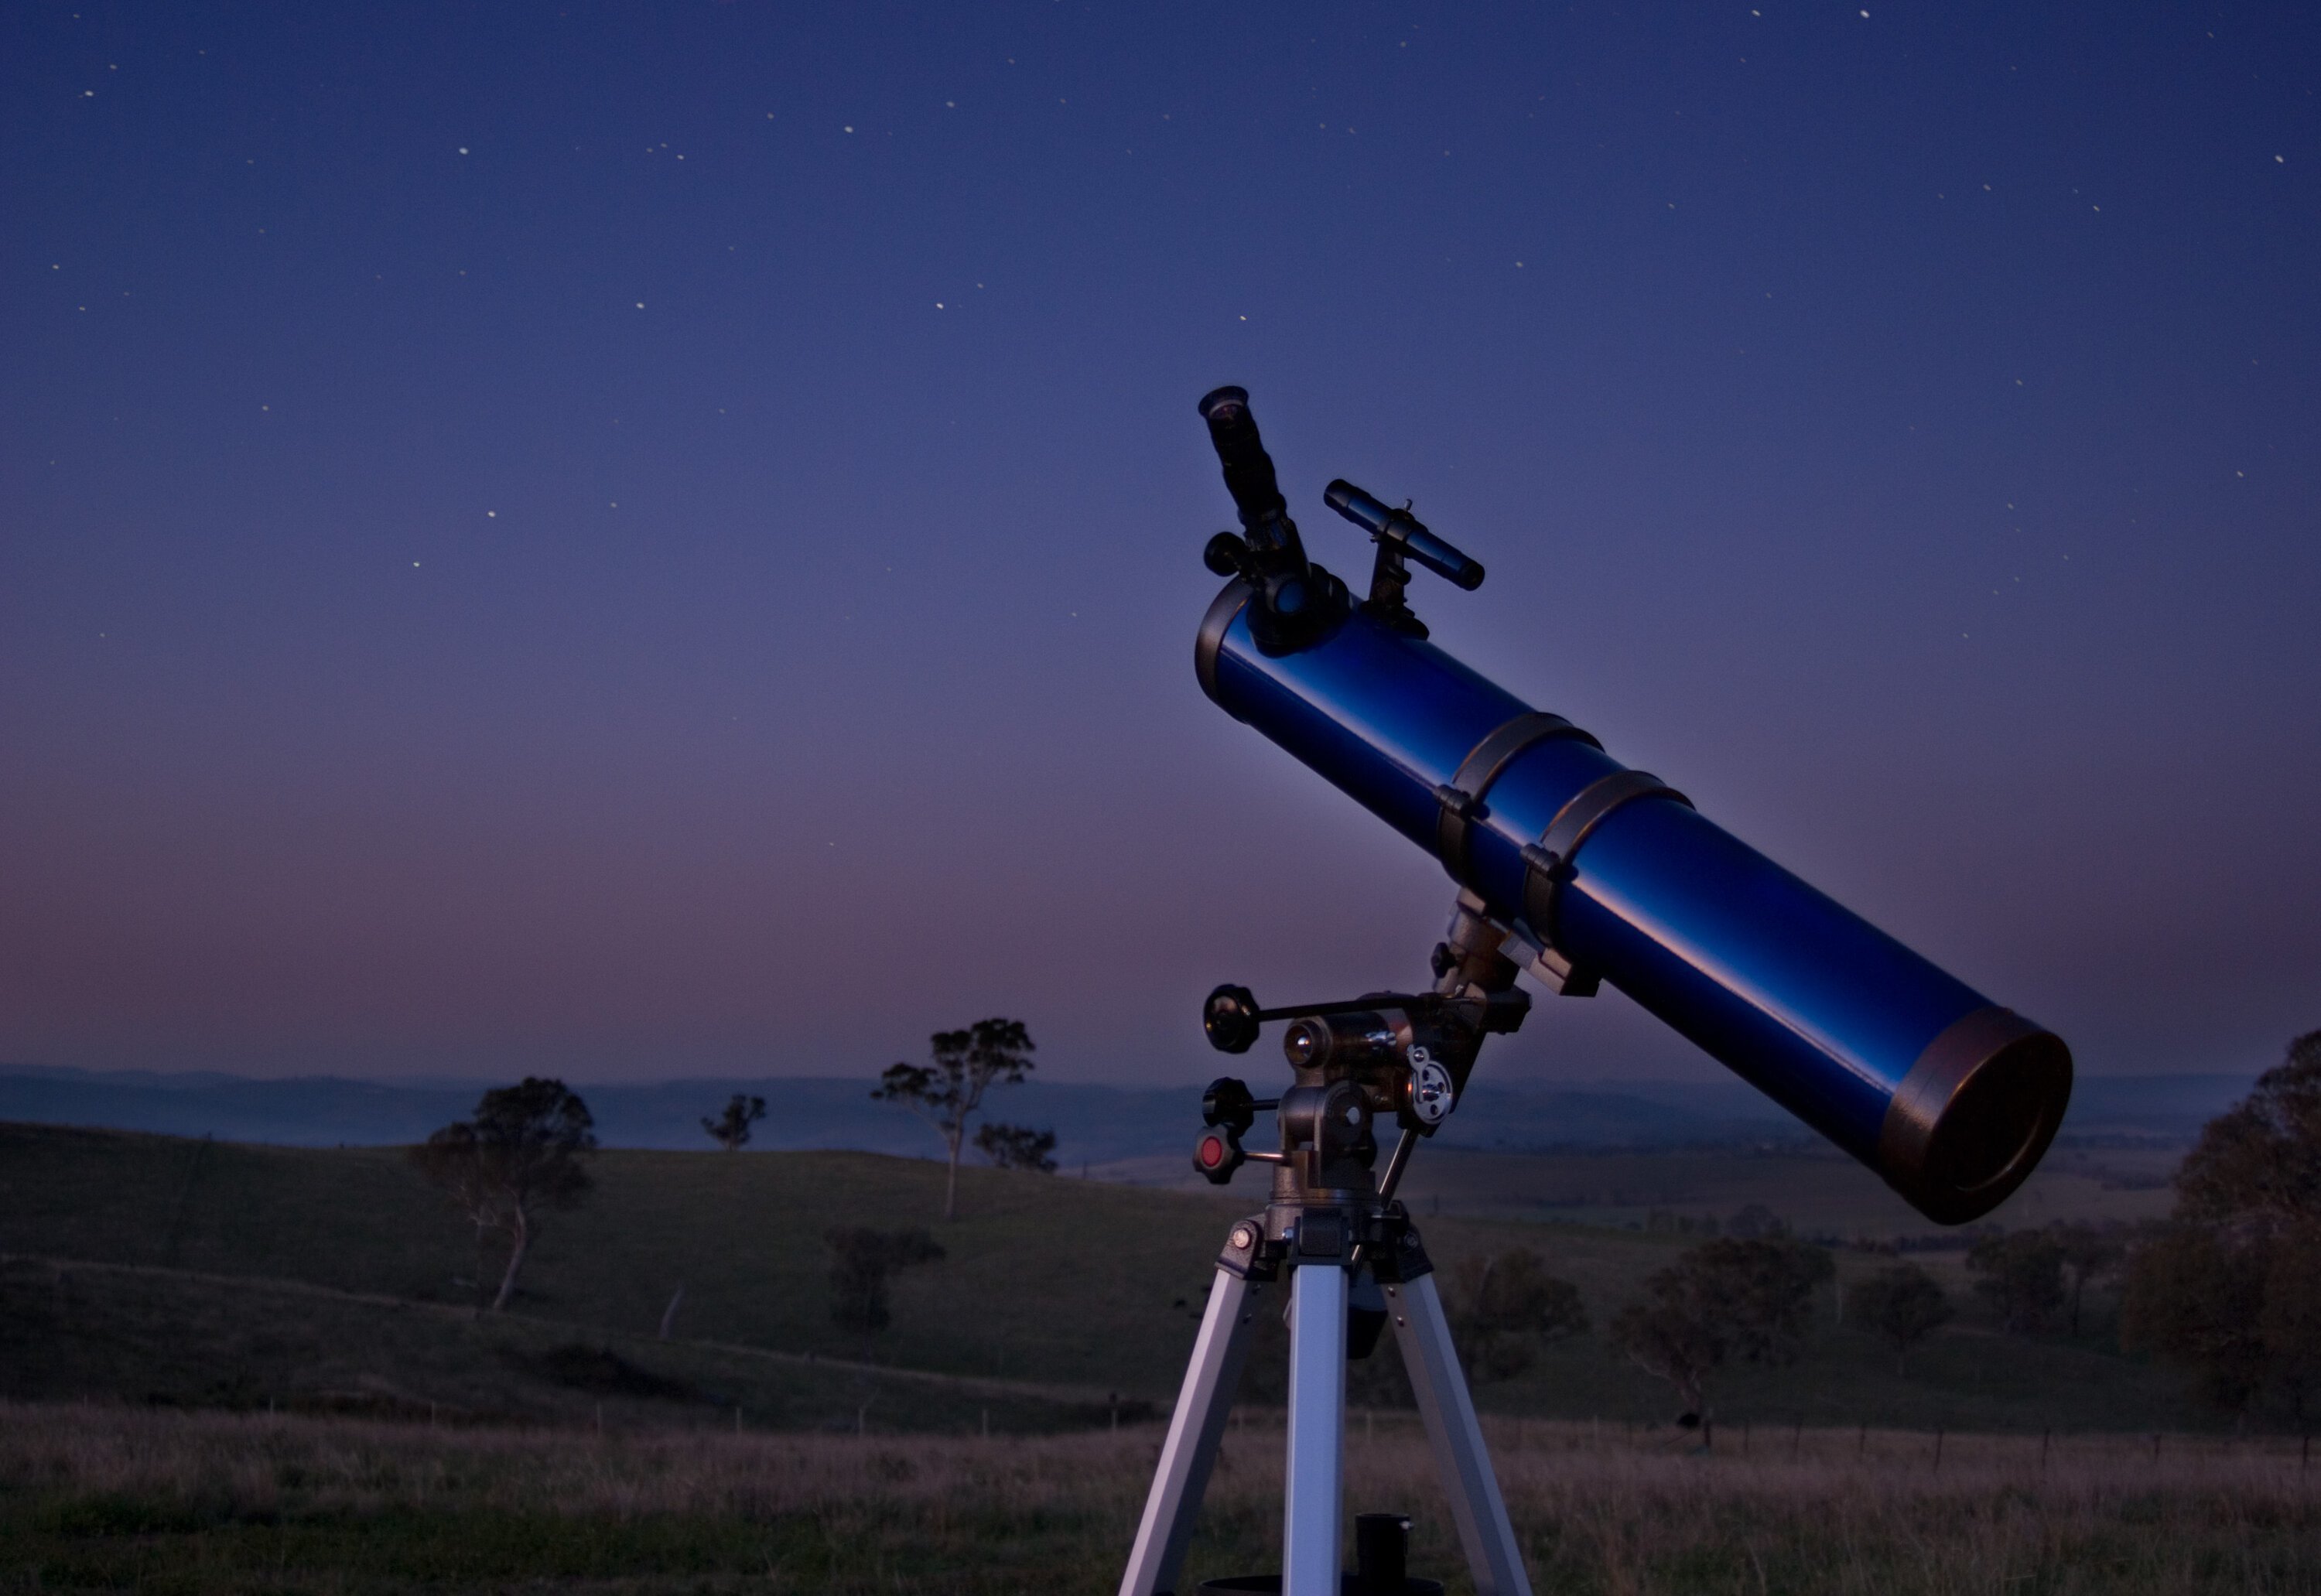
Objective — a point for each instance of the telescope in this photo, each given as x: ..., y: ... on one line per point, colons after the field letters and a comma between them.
x: 1599, y: 873
x: 1576, y: 870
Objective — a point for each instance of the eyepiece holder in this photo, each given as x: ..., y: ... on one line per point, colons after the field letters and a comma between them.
x: 1297, y: 602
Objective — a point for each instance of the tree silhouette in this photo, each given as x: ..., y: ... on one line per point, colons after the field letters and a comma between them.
x: 1017, y: 1147
x: 731, y: 1129
x: 2020, y: 1275
x: 2230, y: 1286
x: 1904, y: 1304
x: 862, y: 1262
x: 2197, y: 1299
x: 520, y: 1155
x: 2091, y: 1253
x: 949, y: 1092
x: 1504, y: 1309
x: 1728, y: 1301
x: 2260, y: 1160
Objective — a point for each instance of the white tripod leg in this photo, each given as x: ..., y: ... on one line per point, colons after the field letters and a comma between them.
x: 1195, y: 1429
x: 1312, y: 1489
x: 1423, y: 1334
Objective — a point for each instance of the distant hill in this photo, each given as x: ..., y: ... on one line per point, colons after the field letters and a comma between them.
x: 804, y: 1114
x: 1094, y: 1124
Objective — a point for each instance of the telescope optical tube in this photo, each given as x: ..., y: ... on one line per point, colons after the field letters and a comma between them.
x: 1948, y: 1096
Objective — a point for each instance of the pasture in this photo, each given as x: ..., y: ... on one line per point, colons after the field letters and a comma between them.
x: 106, y: 1498
x: 157, y: 1270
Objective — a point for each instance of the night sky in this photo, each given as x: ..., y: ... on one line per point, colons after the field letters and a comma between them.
x: 651, y: 541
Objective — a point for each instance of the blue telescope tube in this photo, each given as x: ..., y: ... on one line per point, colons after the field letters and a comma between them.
x: 1949, y: 1096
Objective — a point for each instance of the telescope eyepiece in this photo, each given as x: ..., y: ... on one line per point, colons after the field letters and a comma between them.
x: 1299, y: 603
x: 1249, y: 469
x: 1221, y: 398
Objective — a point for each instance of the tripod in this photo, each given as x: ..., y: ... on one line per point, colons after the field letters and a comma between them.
x: 1333, y: 1232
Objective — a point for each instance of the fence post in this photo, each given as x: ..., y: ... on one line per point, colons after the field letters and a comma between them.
x: 1797, y: 1438
x: 2044, y: 1437
x: 1938, y: 1449
x: 1862, y: 1442
x: 2155, y: 1446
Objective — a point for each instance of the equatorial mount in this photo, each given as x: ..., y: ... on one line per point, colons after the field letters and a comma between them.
x: 1408, y: 1054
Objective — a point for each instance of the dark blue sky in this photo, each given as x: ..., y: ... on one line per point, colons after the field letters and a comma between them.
x: 643, y: 540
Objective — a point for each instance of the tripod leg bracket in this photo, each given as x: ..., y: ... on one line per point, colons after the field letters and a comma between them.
x: 1394, y: 1252
x: 1245, y: 1255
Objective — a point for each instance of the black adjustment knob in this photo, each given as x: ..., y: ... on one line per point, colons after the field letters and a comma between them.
x: 1228, y: 1103
x: 1229, y: 1020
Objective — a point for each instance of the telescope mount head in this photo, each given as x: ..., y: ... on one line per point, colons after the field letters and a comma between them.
x: 1405, y: 1055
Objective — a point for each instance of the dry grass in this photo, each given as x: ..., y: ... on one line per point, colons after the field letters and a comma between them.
x: 103, y: 1498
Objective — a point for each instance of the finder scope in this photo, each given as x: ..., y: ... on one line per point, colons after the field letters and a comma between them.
x: 1404, y: 532
x: 1592, y: 871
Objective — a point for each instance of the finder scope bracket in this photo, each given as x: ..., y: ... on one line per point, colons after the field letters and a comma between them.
x: 1398, y: 534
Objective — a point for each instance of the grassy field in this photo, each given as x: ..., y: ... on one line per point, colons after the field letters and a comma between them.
x: 147, y: 1268
x: 106, y: 1498
x: 171, y: 1338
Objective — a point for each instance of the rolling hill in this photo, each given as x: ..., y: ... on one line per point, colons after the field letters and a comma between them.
x: 189, y: 1270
